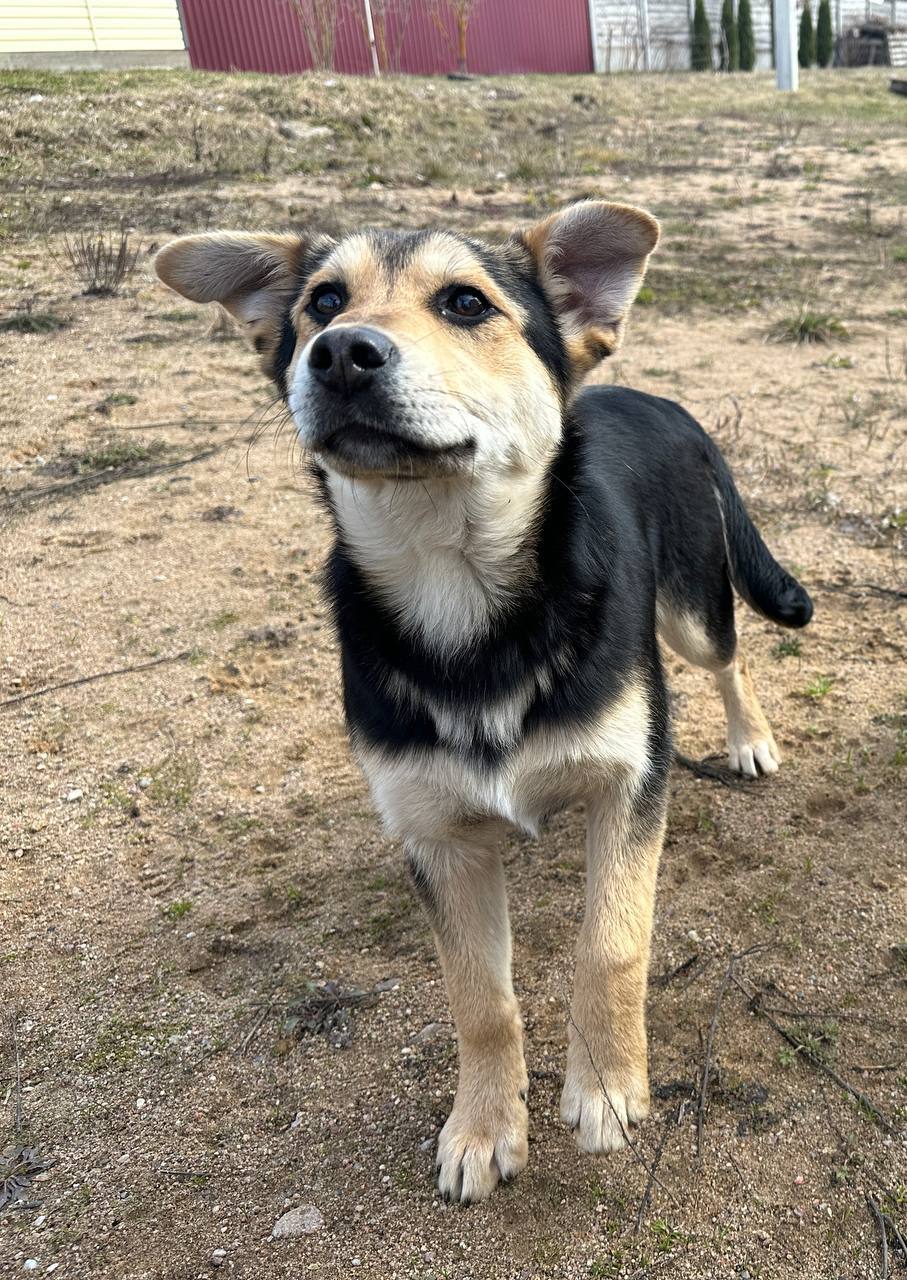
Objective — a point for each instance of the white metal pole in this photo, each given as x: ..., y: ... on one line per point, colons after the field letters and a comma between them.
x: 787, y: 69
x: 370, y: 28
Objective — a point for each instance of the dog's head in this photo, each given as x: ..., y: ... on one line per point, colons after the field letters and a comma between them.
x: 425, y: 354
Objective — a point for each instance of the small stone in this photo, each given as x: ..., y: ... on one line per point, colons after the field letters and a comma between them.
x: 302, y: 132
x: 304, y: 1221
x: 218, y: 1257
x: 30, y: 1264
x: 387, y: 984
x: 431, y: 1031
x: 72, y: 796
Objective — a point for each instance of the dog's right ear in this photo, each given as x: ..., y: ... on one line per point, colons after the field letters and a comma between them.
x: 253, y: 276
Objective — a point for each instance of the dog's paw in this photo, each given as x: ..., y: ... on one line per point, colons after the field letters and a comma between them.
x: 480, y: 1146
x: 754, y: 757
x: 601, y: 1117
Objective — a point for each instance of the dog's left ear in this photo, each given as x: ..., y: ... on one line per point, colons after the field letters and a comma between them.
x: 591, y: 259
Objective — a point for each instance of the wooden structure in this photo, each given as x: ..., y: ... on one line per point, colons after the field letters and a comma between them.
x: 91, y: 34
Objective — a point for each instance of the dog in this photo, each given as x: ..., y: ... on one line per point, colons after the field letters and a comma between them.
x: 508, y: 546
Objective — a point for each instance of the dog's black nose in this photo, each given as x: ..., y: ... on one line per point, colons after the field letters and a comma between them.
x: 347, y: 358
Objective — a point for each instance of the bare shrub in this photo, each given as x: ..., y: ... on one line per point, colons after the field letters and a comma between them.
x: 390, y: 19
x: 101, y: 263
x: 441, y: 11
x: 318, y: 20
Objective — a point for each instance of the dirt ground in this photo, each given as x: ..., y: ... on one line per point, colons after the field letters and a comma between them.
x: 188, y: 852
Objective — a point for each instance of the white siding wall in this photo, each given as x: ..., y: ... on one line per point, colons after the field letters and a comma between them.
x: 618, y: 28
x: 618, y: 33
x: 56, y: 26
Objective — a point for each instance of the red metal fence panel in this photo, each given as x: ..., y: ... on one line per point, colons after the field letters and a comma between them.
x: 505, y: 36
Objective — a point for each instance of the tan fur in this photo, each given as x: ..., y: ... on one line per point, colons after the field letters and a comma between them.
x: 606, y: 1085
x: 618, y: 238
x: 430, y: 795
x: 250, y: 275
x: 443, y: 553
x: 454, y: 816
x: 485, y: 1136
x: 751, y: 746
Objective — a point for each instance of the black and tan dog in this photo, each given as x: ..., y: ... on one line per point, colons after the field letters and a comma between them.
x: 506, y: 553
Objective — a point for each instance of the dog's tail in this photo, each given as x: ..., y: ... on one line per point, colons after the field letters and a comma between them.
x: 754, y: 571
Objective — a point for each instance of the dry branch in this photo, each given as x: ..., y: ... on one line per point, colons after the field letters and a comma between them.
x: 98, y: 675
x: 461, y: 11
x: 670, y: 1120
x: 632, y: 1145
x: 714, y: 773
x: 710, y: 1044
x: 47, y: 493
x: 318, y: 20
x: 754, y: 999
x: 877, y: 1213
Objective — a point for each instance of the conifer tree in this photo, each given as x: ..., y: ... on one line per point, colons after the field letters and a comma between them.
x: 825, y: 41
x: 701, y: 41
x: 729, y: 50
x: 745, y: 39
x: 806, y: 49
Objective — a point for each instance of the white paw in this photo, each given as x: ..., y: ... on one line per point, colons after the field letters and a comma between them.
x: 478, y: 1147
x: 754, y: 758
x: 601, y: 1118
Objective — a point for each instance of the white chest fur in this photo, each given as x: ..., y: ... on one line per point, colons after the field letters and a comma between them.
x: 427, y: 793
x: 443, y: 558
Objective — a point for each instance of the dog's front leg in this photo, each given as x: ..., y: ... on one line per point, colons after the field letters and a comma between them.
x: 606, y: 1086
x: 461, y: 884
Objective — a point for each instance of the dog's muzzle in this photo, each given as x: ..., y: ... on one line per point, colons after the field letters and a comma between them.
x: 354, y: 418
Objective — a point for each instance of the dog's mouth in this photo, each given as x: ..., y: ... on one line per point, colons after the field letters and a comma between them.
x: 364, y: 448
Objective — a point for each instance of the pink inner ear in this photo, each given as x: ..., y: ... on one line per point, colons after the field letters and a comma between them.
x: 588, y: 294
x: 597, y: 268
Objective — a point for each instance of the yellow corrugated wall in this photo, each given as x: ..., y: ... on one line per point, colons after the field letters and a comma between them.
x: 53, y: 26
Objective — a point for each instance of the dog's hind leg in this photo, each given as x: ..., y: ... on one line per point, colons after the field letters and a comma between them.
x: 751, y: 744
x: 461, y: 883
x: 606, y: 1086
x: 711, y: 642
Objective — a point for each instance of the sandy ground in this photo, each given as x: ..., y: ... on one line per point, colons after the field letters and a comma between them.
x: 188, y: 852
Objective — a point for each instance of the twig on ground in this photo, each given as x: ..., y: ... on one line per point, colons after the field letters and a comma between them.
x: 95, y: 480
x: 877, y: 1213
x: 664, y: 979
x: 98, y: 675
x: 858, y: 589
x: 631, y: 1143
x: 739, y: 1172
x: 821, y: 1015
x: 714, y: 773
x: 186, y: 835
x: 647, y: 1193
x: 258, y: 1024
x: 710, y: 1044
x: 17, y: 1095
x: 755, y: 1004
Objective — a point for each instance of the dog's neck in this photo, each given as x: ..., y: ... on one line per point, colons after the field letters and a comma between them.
x: 445, y: 556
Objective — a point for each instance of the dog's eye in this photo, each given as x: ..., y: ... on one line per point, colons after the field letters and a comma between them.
x: 466, y: 303
x: 327, y: 301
